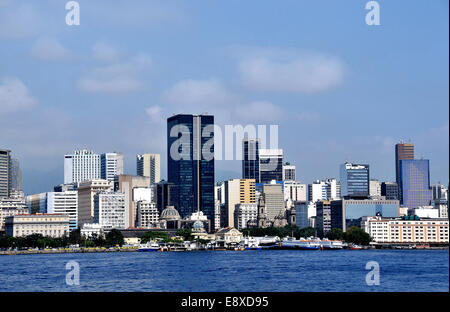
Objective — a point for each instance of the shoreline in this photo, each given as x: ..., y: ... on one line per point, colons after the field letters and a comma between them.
x: 36, y: 252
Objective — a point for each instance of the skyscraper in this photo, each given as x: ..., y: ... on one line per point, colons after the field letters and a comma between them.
x: 354, y: 180
x: 415, y: 183
x: 15, y: 174
x: 250, y: 159
x: 190, y: 162
x: 4, y: 172
x: 288, y: 172
x: 149, y: 165
x: 111, y: 164
x: 270, y: 165
x: 82, y: 165
x: 402, y: 151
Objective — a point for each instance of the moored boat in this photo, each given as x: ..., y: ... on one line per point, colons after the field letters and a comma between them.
x: 149, y: 247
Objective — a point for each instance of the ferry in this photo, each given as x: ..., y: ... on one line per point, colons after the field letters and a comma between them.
x: 301, y: 244
x: 326, y: 244
x: 355, y: 247
x: 149, y: 247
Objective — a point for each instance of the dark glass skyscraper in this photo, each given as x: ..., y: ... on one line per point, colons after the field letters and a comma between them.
x: 250, y: 159
x: 354, y: 180
x: 415, y: 183
x: 190, y: 163
x: 402, y: 151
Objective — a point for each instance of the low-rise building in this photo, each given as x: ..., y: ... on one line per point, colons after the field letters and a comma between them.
x: 11, y: 207
x: 92, y: 229
x: 52, y: 225
x: 406, y: 229
x: 229, y: 235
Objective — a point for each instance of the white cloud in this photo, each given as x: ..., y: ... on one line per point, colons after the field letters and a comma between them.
x: 262, y: 111
x: 155, y: 114
x: 200, y: 93
x: 278, y: 71
x: 14, y: 96
x: 49, y: 49
x: 116, y: 76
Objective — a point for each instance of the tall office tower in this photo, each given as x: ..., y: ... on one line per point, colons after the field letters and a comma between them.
x: 270, y: 165
x: 82, y: 165
x: 250, y: 159
x: 415, y: 183
x: 288, y: 172
x: 237, y: 191
x: 273, y: 200
x: 15, y: 174
x: 86, y: 192
x: 149, y: 165
x: 111, y: 164
x: 125, y: 184
x: 5, y: 161
x: 294, y: 191
x: 389, y: 190
x: 354, y: 180
x: 328, y: 189
x: 166, y: 194
x: 190, y: 162
x: 402, y: 151
x: 374, y: 188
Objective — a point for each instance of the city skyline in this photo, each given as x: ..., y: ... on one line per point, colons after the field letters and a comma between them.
x: 379, y: 86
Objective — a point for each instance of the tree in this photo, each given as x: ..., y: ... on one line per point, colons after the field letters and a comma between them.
x: 114, y: 237
x: 186, y: 233
x: 335, y: 233
x: 357, y: 236
x: 151, y: 235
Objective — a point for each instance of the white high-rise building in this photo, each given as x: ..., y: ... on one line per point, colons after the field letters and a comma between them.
x: 111, y: 164
x: 327, y: 189
x: 294, y: 191
x: 109, y: 210
x: 245, y: 214
x: 82, y: 165
x: 64, y: 203
x: 288, y: 172
x: 374, y: 188
x: 149, y: 165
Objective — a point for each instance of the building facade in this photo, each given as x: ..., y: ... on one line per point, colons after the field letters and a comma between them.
x: 415, y: 183
x: 81, y: 165
x: 288, y: 172
x: 86, y: 193
x: 147, y: 214
x: 111, y: 164
x: 109, y: 210
x: 149, y: 165
x: 402, y: 151
x: 245, y: 215
x: 354, y: 180
x: 389, y: 190
x: 51, y: 225
x: 5, y: 160
x: 270, y: 165
x: 250, y: 159
x: 190, y: 163
x: 11, y: 207
x: 236, y: 191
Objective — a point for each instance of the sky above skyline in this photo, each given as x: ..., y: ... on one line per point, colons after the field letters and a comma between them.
x: 338, y: 89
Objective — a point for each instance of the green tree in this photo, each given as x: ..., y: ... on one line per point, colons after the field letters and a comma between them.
x: 185, y: 233
x: 114, y: 237
x: 151, y: 235
x: 335, y: 233
x: 357, y: 236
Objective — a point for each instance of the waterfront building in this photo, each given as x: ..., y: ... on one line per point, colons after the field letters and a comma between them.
x: 147, y: 214
x: 270, y: 165
x: 190, y: 162
x: 348, y: 212
x: 301, y: 214
x: 149, y: 165
x: 389, y: 190
x: 245, y: 215
x: 126, y: 184
x: 424, y: 212
x: 402, y: 151
x: 374, y: 188
x: 11, y: 207
x: 323, y: 216
x: 229, y: 235
x: 273, y: 200
x: 81, y: 165
x: 109, y: 210
x: 354, y: 180
x: 415, y: 183
x: 52, y: 225
x: 293, y: 191
x: 406, y: 230
x: 250, y: 159
x: 89, y: 230
x: 166, y: 195
x: 5, y: 161
x: 86, y: 192
x: 442, y: 206
x: 237, y: 191
x: 111, y: 164
x: 288, y: 172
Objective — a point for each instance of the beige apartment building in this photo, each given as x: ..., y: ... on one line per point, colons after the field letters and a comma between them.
x: 401, y: 230
x: 149, y: 165
x: 52, y: 225
x: 237, y: 191
x: 86, y: 193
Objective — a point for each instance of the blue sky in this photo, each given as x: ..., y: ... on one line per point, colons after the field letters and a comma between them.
x: 338, y: 89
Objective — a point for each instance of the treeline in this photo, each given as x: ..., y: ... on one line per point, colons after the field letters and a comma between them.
x: 353, y: 235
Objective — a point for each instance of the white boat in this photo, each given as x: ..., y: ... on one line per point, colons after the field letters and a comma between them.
x: 149, y: 246
x: 302, y: 244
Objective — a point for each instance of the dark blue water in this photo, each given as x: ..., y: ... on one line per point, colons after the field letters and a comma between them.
x: 276, y: 270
